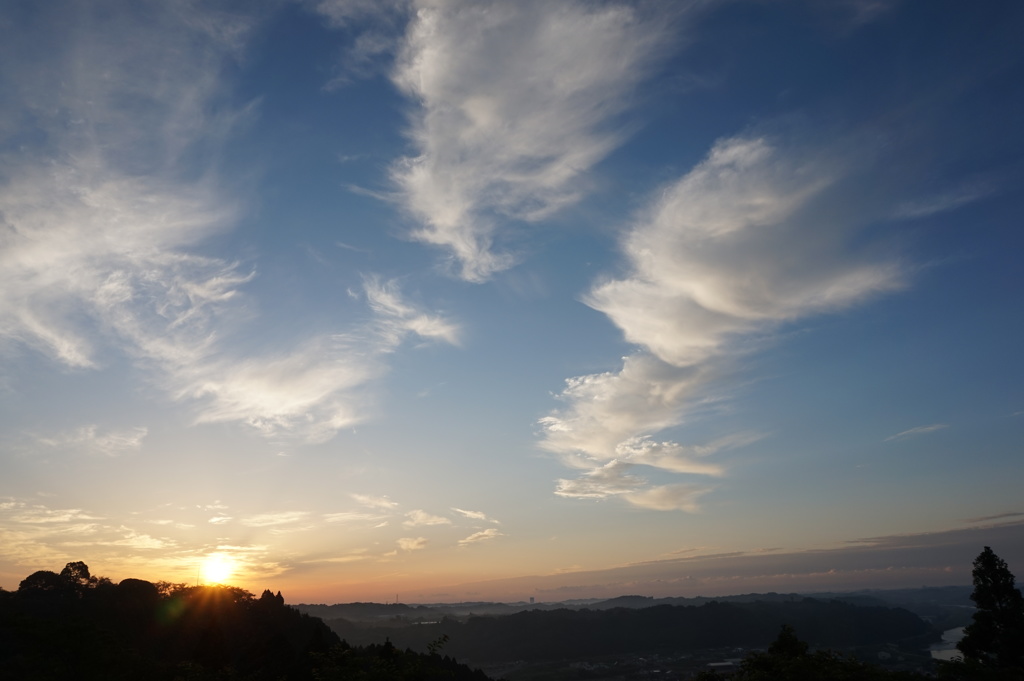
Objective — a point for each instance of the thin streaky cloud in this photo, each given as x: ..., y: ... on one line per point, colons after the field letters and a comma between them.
x: 419, y: 518
x: 998, y: 516
x: 274, y: 519
x: 352, y: 516
x: 474, y: 515
x: 38, y: 514
x: 942, y: 203
x: 676, y: 497
x: 382, y: 502
x: 397, y: 317
x: 483, y: 535
x: 92, y: 438
x: 350, y: 247
x: 600, y: 482
x: 919, y: 430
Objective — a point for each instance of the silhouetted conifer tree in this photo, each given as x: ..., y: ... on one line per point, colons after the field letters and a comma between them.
x: 996, y: 637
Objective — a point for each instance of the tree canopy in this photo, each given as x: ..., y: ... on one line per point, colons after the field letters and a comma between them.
x: 996, y: 636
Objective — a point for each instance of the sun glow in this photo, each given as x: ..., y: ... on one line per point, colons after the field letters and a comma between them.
x: 217, y: 568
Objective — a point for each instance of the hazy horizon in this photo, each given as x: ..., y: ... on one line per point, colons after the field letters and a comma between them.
x: 356, y: 300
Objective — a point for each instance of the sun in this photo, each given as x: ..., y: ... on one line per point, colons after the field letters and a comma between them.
x: 217, y: 568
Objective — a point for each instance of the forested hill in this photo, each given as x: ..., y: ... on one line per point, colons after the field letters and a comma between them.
x: 937, y: 604
x: 560, y: 634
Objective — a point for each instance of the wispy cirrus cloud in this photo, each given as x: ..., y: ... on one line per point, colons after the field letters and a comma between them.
x: 36, y: 535
x: 674, y: 457
x: 274, y: 519
x: 725, y: 254
x: 946, y: 201
x: 92, y: 438
x: 371, y: 501
x: 919, y: 430
x: 675, y: 497
x: 316, y: 389
x: 37, y: 514
x: 474, y: 515
x: 599, y: 482
x: 380, y: 24
x: 516, y: 102
x: 103, y: 225
x: 352, y: 517
x: 481, y: 536
x: 130, y: 539
x: 396, y: 317
x: 419, y: 518
x: 997, y: 516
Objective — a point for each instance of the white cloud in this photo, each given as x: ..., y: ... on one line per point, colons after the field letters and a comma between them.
x: 919, y: 430
x: 669, y: 456
x: 92, y: 246
x: 940, y: 203
x: 474, y: 515
x: 316, y: 389
x: 723, y: 253
x: 355, y: 558
x: 42, y: 515
x: 378, y: 25
x: 107, y: 442
x: 220, y: 519
x: 396, y: 317
x: 678, y: 497
x: 645, y: 396
x: 721, y: 257
x: 33, y: 534
x: 375, y: 502
x: 412, y: 544
x: 137, y: 540
x: 101, y: 227
x: 477, y: 537
x: 310, y: 392
x: 352, y: 516
x: 419, y: 518
x: 601, y: 481
x: 516, y: 103
x: 274, y: 519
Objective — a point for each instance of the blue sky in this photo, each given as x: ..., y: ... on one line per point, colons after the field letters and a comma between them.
x: 459, y: 300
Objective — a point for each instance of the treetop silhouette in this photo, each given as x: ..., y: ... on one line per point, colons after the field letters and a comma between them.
x: 996, y: 636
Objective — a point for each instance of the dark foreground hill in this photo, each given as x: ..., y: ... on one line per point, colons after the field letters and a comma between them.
x: 74, y: 626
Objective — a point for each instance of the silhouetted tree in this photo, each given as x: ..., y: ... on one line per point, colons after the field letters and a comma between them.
x: 996, y: 636
x: 787, y: 644
x: 77, y: 573
x: 43, y: 581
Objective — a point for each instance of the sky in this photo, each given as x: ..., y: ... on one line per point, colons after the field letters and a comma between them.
x: 453, y: 300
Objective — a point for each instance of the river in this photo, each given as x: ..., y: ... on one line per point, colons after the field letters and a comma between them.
x: 946, y: 649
